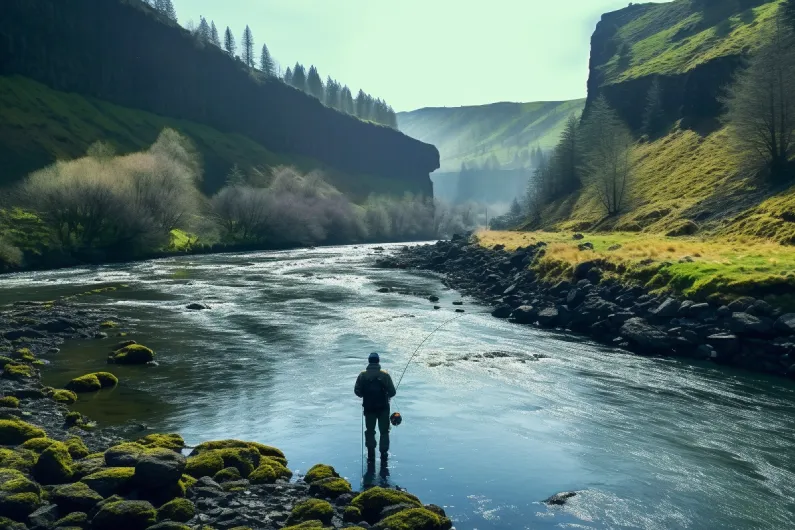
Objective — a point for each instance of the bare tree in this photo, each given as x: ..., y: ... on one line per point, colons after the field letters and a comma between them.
x: 608, y: 152
x: 761, y: 104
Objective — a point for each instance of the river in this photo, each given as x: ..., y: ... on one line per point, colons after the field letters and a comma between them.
x: 648, y: 443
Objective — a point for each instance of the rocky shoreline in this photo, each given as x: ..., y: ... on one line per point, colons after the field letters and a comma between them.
x: 60, y: 471
x: 746, y: 333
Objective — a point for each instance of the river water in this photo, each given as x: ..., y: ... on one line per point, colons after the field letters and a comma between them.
x: 488, y: 433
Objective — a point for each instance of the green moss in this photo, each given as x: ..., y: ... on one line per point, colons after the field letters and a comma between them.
x: 84, y: 383
x: 179, y: 510
x: 15, y: 432
x: 124, y: 454
x: 126, y: 515
x: 372, y: 501
x: 54, y: 465
x: 77, y: 448
x: 107, y: 379
x: 268, y: 471
x: 4, y: 361
x: 73, y: 418
x: 208, y: 463
x: 89, y: 465
x: 24, y: 354
x: 175, y: 442
x: 18, y: 505
x: 79, y: 519
x: 331, y: 487
x: 262, y: 449
x: 13, y: 481
x: 320, y: 471
x: 352, y: 514
x: 8, y: 524
x: 306, y: 525
x: 64, y: 396
x: 20, y: 459
x: 9, y: 402
x: 132, y: 354
x: 109, y: 324
x: 17, y: 371
x: 310, y: 510
x: 230, y: 473
x: 107, y: 482
x: 38, y: 445
x: 414, y: 519
x: 75, y: 497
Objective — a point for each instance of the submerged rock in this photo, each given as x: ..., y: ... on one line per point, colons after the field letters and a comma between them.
x: 195, y: 306
x: 560, y: 499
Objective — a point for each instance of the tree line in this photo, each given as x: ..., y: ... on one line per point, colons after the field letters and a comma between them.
x: 597, y: 150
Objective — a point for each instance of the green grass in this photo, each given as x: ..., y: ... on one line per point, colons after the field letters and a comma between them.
x: 39, y: 125
x: 25, y: 230
x: 672, y: 38
x: 720, y: 268
x: 473, y: 134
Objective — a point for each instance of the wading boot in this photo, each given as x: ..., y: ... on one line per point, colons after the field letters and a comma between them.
x: 371, y: 455
x: 384, y: 459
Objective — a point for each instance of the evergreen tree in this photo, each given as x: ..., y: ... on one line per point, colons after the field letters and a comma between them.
x: 568, y: 158
x: 346, y: 101
x: 516, y: 209
x: 235, y: 177
x: 654, y: 115
x: 203, y: 33
x: 288, y: 76
x: 392, y: 118
x: 361, y: 108
x: 248, y: 47
x: 214, y: 37
x: 333, y: 92
x: 169, y: 10
x: 314, y: 85
x: 299, y: 77
x: 266, y: 62
x: 229, y: 42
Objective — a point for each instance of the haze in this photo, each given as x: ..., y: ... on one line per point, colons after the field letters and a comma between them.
x: 416, y: 53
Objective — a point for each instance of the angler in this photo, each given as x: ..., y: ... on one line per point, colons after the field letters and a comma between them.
x: 376, y: 388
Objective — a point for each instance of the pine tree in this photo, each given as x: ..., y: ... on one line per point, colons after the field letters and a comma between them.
x: 169, y: 10
x: 203, y: 33
x: 568, y: 158
x: 361, y: 109
x: 392, y: 118
x: 332, y: 95
x: 288, y: 76
x: 229, y: 42
x: 654, y: 114
x: 248, y: 47
x: 266, y: 62
x: 214, y: 37
x: 299, y: 77
x: 346, y: 101
x: 314, y: 85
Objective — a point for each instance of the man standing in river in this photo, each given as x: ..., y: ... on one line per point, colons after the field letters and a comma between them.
x: 375, y: 387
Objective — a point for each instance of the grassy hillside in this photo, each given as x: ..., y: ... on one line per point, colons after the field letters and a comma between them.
x: 473, y: 134
x: 39, y: 125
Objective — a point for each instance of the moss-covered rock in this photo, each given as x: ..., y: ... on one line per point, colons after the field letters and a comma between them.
x: 54, y: 465
x: 66, y: 397
x: 110, y: 481
x: 107, y: 379
x: 372, y: 501
x: 38, y: 445
x: 269, y: 471
x: 84, y: 383
x: 15, y: 432
x: 320, y: 471
x: 109, y: 324
x: 17, y: 371
x: 175, y: 442
x: 331, y: 487
x: 9, y: 402
x: 352, y: 514
x: 262, y: 449
x: 229, y: 473
x: 75, y: 497
x: 19, y: 459
x: 132, y: 354
x: 19, y: 496
x: 79, y: 519
x: 208, y: 463
x: 4, y: 361
x: 89, y: 465
x: 414, y: 519
x: 311, y: 510
x: 8, y: 524
x: 124, y: 515
x: 76, y: 447
x: 179, y: 510
x: 124, y: 455
x: 24, y: 354
x: 73, y: 418
x: 170, y: 525
x: 306, y: 525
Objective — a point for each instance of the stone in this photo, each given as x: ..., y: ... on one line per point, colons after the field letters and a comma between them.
x: 560, y: 499
x: 747, y: 324
x: 159, y: 466
x: 725, y: 344
x: 433, y: 298
x: 502, y: 311
x: 195, y: 306
x: 640, y: 333
x: 548, y: 317
x: 525, y: 314
x: 578, y: 237
x: 124, y: 515
x: 786, y: 324
x: 585, y: 246
x: 575, y: 297
x: 75, y: 497
x: 668, y: 309
x: 44, y: 517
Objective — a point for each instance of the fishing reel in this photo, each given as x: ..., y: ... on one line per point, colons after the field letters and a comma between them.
x: 396, y: 419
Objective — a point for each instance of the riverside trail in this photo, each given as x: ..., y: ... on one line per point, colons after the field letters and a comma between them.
x: 502, y: 416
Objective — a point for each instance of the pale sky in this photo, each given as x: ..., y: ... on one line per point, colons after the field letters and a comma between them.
x: 425, y: 53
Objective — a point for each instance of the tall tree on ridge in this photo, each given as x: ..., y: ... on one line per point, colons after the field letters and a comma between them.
x: 214, y: 37
x: 361, y: 109
x: 346, y: 101
x: 288, y: 76
x: 248, y: 47
x: 299, y: 77
x: 266, y: 62
x: 314, y: 85
x: 203, y: 33
x: 332, y: 95
x: 229, y: 42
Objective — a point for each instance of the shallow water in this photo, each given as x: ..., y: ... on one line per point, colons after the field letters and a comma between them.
x: 648, y: 443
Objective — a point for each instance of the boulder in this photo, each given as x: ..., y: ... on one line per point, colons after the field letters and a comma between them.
x: 647, y: 337
x: 747, y: 324
x: 54, y: 465
x: 525, y: 314
x: 77, y: 497
x: 548, y: 317
x: 44, y: 517
x: 311, y: 510
x: 725, y: 344
x: 159, y: 466
x: 502, y: 311
x: 372, y: 501
x: 178, y: 510
x: 133, y: 354
x: 433, y: 298
x: 560, y: 499
x: 110, y: 481
x: 575, y: 297
x: 124, y: 515
x: 668, y: 309
x: 415, y: 519
x: 195, y: 306
x: 786, y: 324
x: 331, y: 487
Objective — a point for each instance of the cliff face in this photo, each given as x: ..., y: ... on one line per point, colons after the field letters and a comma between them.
x: 120, y: 51
x: 692, y: 53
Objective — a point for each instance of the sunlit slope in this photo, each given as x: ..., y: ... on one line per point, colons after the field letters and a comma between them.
x: 473, y: 134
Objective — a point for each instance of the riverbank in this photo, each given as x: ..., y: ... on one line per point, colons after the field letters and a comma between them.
x: 60, y: 470
x: 747, y: 332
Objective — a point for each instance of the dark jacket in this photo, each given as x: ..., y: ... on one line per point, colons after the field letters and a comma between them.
x: 374, y: 371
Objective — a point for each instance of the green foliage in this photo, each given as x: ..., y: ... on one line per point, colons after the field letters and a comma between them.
x: 9, y: 402
x: 179, y: 510
x: 15, y: 432
x: 311, y: 510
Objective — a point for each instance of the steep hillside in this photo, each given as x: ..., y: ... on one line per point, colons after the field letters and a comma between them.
x: 689, y: 180
x: 95, y: 48
x: 473, y: 134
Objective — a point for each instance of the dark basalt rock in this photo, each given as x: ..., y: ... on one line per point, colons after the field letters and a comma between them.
x: 560, y: 499
x: 503, y: 311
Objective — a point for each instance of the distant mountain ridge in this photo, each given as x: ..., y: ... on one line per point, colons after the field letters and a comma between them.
x: 473, y: 134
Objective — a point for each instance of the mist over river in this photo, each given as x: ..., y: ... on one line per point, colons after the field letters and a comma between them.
x: 488, y: 432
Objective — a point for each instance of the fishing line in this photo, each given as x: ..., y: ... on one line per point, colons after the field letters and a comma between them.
x: 420, y: 346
